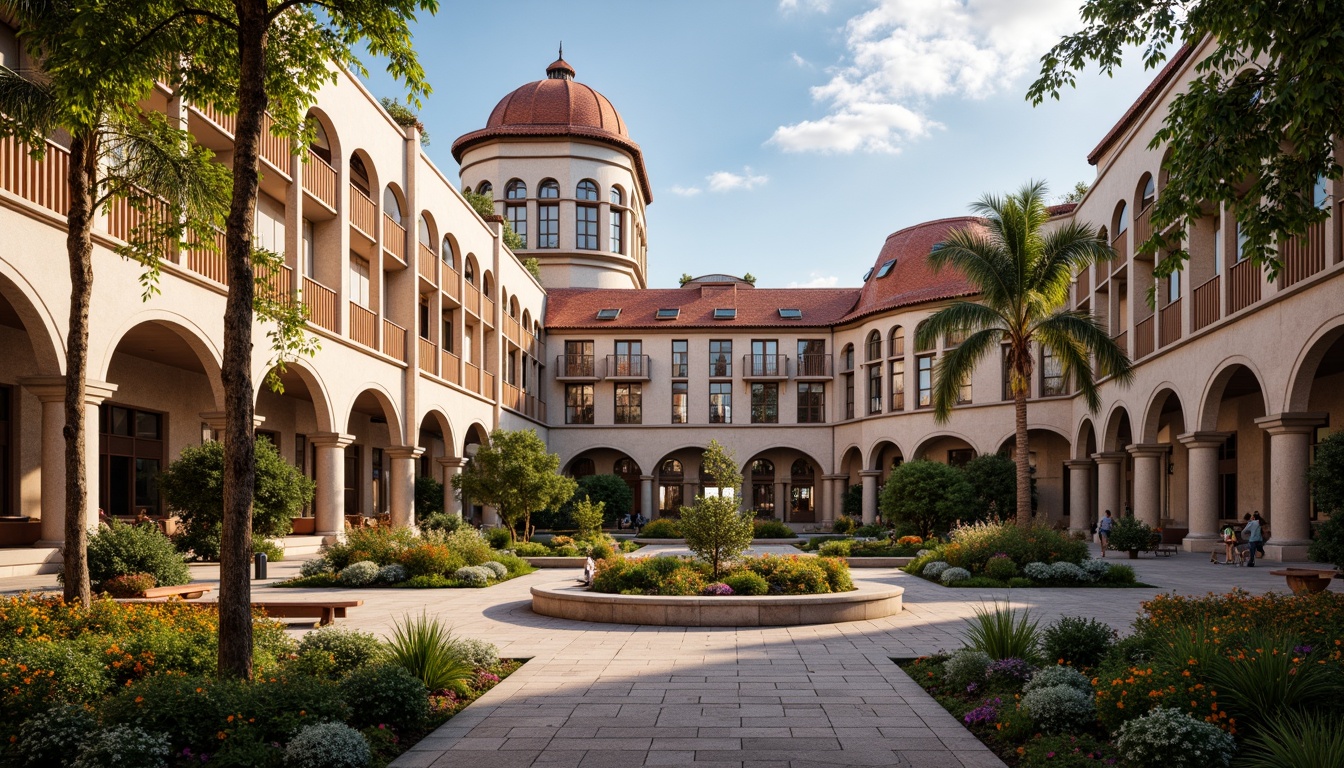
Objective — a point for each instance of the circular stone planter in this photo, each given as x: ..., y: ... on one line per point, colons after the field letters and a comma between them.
x: 682, y: 542
x: 566, y: 601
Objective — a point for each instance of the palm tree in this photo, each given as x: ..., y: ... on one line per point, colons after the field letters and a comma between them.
x: 117, y: 153
x: 1022, y: 275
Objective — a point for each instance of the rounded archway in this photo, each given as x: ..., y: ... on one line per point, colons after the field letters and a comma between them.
x: 1232, y: 402
x: 1048, y: 454
x: 609, y: 461
x: 32, y: 348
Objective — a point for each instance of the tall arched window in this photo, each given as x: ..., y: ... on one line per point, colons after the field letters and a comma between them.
x: 485, y: 188
x: 896, y: 344
x: 548, y: 215
x: 469, y: 271
x: 670, y: 479
x: 392, y: 205
x: 874, y: 346
x: 1120, y: 223
x: 549, y: 190
x: 763, y: 486
x: 516, y: 190
x: 587, y: 190
x: 1149, y: 194
x: 359, y: 174
x: 617, y: 196
x: 426, y: 236
x: 447, y: 255
x: 585, y: 216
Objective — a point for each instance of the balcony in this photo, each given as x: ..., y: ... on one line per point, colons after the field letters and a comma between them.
x: 427, y: 264
x: 363, y: 213
x: 450, y: 367
x: 813, y: 368
x: 277, y: 285
x: 1169, y: 324
x: 1143, y: 337
x: 210, y: 262
x: 394, y: 340
x: 394, y: 238
x: 1243, y: 285
x: 1121, y: 246
x: 429, y: 355
x: 1143, y: 227
x: 321, y: 303
x: 487, y: 310
x: 765, y: 367
x: 1304, y: 256
x: 628, y: 367
x: 513, y: 331
x: 1084, y: 285
x: 1208, y: 303
x: 363, y: 326
x: 471, y: 299
x: 319, y: 180
x: 43, y: 182
x: 576, y: 368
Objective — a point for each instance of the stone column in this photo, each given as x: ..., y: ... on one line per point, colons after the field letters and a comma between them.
x: 401, y: 479
x: 215, y: 420
x: 329, y: 506
x: 823, y: 509
x: 1289, y: 513
x: 490, y: 518
x: 50, y: 391
x: 869, y: 479
x: 1108, y: 483
x: 452, y: 503
x: 1202, y: 448
x: 781, y: 501
x: 1149, y: 463
x: 646, y: 496
x: 839, y: 484
x: 1080, y: 495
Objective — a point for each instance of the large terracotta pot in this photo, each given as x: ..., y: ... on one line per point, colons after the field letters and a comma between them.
x: 303, y: 526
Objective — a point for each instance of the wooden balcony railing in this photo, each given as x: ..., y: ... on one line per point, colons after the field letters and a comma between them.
x: 1208, y: 304
x: 450, y: 367
x: 321, y: 303
x: 427, y: 263
x: 1122, y: 341
x: 394, y: 238
x: 429, y: 355
x: 449, y: 283
x: 44, y: 182
x: 1121, y: 246
x: 1143, y: 337
x: 1243, y: 285
x: 363, y: 213
x: 487, y: 384
x: 394, y: 340
x: 511, y: 397
x: 1303, y: 257
x: 274, y: 149
x: 1084, y: 285
x: 363, y: 326
x: 628, y: 366
x: 576, y: 367
x: 209, y: 262
x: 319, y: 179
x: 471, y: 299
x: 227, y: 123
x: 471, y: 377
x: 1143, y: 227
x: 125, y: 219
x: 1169, y: 324
x: 277, y: 283
x: 765, y: 366
x: 814, y: 366
x: 512, y: 330
x: 488, y: 310
x: 535, y: 408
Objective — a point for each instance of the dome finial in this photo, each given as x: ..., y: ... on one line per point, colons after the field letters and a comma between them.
x: 562, y: 51
x: 560, y: 69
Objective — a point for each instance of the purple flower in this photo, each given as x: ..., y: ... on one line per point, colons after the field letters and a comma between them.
x: 1302, y: 649
x: 1010, y: 669
x: 983, y: 714
x: 717, y: 589
x: 971, y: 688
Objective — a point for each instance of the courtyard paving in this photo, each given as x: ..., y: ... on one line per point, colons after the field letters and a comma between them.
x: 594, y: 695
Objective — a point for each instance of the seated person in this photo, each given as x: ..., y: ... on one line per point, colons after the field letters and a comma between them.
x: 589, y: 570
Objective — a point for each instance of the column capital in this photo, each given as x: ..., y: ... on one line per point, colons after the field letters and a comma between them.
x: 216, y: 420
x: 646, y: 478
x: 452, y: 461
x: 1080, y: 464
x: 835, y: 477
x: 1109, y: 457
x: 1206, y: 439
x: 51, y: 389
x: 403, y: 451
x: 1152, y: 450
x: 333, y: 439
x: 1289, y: 423
x: 870, y: 473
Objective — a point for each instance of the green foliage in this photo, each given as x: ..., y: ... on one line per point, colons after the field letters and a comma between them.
x: 1130, y: 533
x: 428, y: 559
x: 772, y: 529
x: 1119, y: 574
x: 835, y: 549
x: 467, y: 543
x: 121, y: 550
x: 428, y: 498
x: 748, y: 584
x: 403, y: 116
x: 1059, y: 709
x: 662, y: 528
x: 498, y: 538
x: 1067, y: 751
x: 381, y: 545
x: 845, y: 523
x: 1275, y: 133
x: 1000, y: 567
x: 851, y: 503
x: 684, y: 279
x: 716, y: 530
x: 130, y: 585
x: 1003, y: 633
x: 1170, y: 737
x: 426, y: 648
x: 1077, y: 640
x: 53, y: 737
x: 609, y: 490
x: 531, y: 264
x: 1076, y: 194
x: 973, y: 546
x: 966, y: 666
x: 359, y: 574
x: 328, y: 745
x: 484, y: 204
x: 794, y: 575
x: 385, y: 693
x: 1326, y: 474
x: 123, y: 746
x: 515, y: 475
x: 194, y: 487
x: 749, y: 278
x: 588, y: 518
x: 440, y: 522
x: 993, y: 480
x: 1327, y: 545
x: 927, y: 496
x: 345, y: 649
x: 1269, y: 681
x: 1299, y: 739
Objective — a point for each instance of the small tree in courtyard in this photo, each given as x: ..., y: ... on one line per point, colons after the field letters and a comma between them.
x: 716, y: 528
x: 609, y: 490
x: 588, y: 518
x: 1326, y: 476
x: 926, y: 497
x: 993, y: 479
x: 515, y: 475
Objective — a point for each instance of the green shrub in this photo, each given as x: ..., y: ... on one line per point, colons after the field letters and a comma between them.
x: 273, y: 551
x: 1327, y: 546
x: 1299, y: 739
x: 973, y: 546
x: 61, y: 671
x: 1326, y: 478
x: 843, y: 524
x: 360, y: 574
x: 747, y: 584
x: 469, y: 545
x: 1059, y: 708
x: 385, y: 693
x: 499, y: 538
x: 1054, y: 675
x: 429, y: 559
x: 837, y: 574
x: 965, y: 667
x: 121, y: 550
x: 926, y: 496
x: 872, y: 531
x: 435, y: 581
x: 125, y: 747
x: 1119, y: 574
x: 440, y: 522
x: 792, y: 575
x: 478, y: 653
x: 513, y: 565
x: 835, y: 549
x: 347, y: 649
x: 993, y: 481
x: 1076, y: 640
x: 53, y: 737
x: 531, y: 549
x: 1000, y: 567
x: 1003, y: 633
x: 428, y: 497
x: 328, y: 745
x: 587, y: 517
x: 661, y: 529
x: 1130, y: 534
x: 426, y: 648
x: 954, y: 575
x: 772, y: 529
x: 1020, y: 582
x: 379, y: 545
x: 1067, y: 751
x: 130, y: 585
x: 1270, y: 680
x: 609, y: 491
x: 194, y: 487
x: 1169, y: 737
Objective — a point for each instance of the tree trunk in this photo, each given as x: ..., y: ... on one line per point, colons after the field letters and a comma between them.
x: 1022, y: 456
x: 79, y: 249
x: 235, y: 552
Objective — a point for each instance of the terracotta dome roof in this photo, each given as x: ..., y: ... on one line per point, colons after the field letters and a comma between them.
x: 910, y: 279
x: 557, y: 106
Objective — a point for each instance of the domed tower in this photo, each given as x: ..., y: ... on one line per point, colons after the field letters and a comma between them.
x: 566, y: 176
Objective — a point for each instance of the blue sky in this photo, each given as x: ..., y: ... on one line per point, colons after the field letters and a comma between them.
x: 788, y: 138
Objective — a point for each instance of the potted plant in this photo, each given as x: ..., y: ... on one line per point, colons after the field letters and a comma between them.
x: 1130, y: 534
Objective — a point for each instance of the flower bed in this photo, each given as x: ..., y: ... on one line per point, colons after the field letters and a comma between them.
x: 749, y: 577
x: 134, y: 684
x: 596, y: 547
x: 1201, y: 682
x: 382, y: 557
x: 666, y: 528
x: 996, y: 555
x: 844, y: 546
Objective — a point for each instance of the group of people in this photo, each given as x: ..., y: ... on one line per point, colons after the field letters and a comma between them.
x: 633, y: 524
x: 1243, y: 552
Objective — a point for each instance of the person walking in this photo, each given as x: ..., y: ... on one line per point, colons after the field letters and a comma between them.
x: 1228, y: 543
x: 1104, y: 531
x: 1254, y: 540
x: 1260, y: 545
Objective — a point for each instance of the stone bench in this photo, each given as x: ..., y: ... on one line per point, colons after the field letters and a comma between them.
x: 184, y: 591
x: 1307, y: 581
x: 325, y: 611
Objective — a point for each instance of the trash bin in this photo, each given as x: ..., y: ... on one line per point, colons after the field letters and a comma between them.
x: 259, y: 565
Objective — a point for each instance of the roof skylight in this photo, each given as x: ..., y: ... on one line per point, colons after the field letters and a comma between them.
x: 609, y: 314
x: 867, y: 274
x: 725, y: 313
x: 886, y: 268
x: 791, y: 314
x: 668, y: 314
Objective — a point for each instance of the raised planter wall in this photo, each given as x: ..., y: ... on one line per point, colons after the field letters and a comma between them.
x: 682, y: 542
x: 878, y: 562
x: 556, y: 562
x: 567, y: 601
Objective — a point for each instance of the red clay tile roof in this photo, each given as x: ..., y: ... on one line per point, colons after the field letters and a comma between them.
x: 911, y: 281
x: 576, y: 308
x: 1142, y: 103
x: 557, y: 106
x: 1061, y: 209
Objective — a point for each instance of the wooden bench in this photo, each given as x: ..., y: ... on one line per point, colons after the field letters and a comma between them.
x: 184, y: 591
x: 325, y: 611
x: 1307, y: 581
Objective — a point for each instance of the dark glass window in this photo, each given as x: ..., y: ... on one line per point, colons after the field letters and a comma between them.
x: 765, y: 403
x: 720, y: 402
x: 721, y: 358
x: 585, y: 227
x: 680, y: 392
x: 925, y: 364
x: 586, y: 190
x: 517, y: 216
x: 811, y: 402
x: 629, y: 404
x: 897, y: 393
x: 549, y: 190
x: 578, y: 403
x: 849, y: 396
x: 681, y: 358
x: 875, y: 388
x: 548, y: 226
x: 515, y: 190
x: 131, y: 454
x: 579, y: 358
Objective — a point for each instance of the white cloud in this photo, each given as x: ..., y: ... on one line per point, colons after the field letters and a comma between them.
x: 800, y: 61
x: 904, y: 54
x: 727, y: 181
x: 681, y: 191
x: 817, y: 280
x: 789, y: 6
